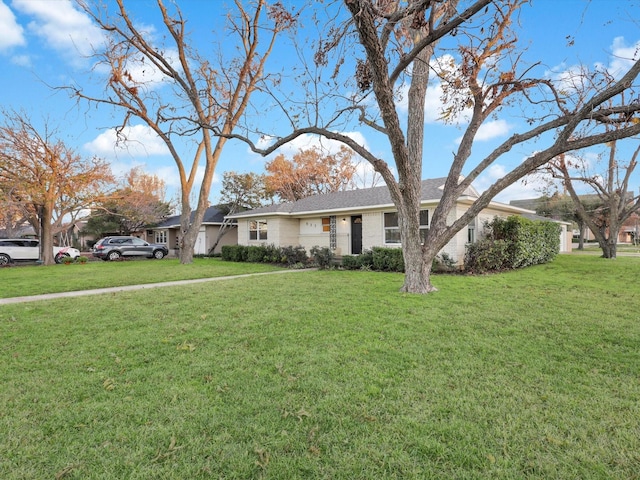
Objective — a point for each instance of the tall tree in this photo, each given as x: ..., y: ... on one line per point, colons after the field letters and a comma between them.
x: 207, y: 96
x: 49, y: 182
x: 310, y: 172
x: 400, y: 44
x: 611, y: 186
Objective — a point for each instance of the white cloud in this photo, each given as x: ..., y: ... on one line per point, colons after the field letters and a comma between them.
x: 62, y: 27
x: 12, y: 32
x: 138, y: 141
x: 21, y: 60
x: 433, y: 105
x: 575, y: 77
x: 490, y: 130
x: 529, y: 187
x: 623, y: 56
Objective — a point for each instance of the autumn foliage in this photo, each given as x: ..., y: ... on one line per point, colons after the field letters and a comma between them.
x: 310, y: 172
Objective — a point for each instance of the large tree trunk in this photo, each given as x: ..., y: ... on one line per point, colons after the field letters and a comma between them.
x: 191, y: 228
x: 609, y: 243
x: 417, y: 269
x: 609, y: 249
x: 46, y: 236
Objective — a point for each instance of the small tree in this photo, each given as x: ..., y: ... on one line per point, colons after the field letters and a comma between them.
x: 137, y: 203
x: 562, y: 207
x: 611, y: 186
x: 240, y: 191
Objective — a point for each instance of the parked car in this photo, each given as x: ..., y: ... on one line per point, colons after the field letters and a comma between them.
x: 114, y: 248
x: 28, y: 250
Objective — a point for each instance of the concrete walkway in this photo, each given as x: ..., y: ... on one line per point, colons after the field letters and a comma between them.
x: 127, y: 288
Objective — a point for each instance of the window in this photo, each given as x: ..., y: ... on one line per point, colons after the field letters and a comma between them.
x: 326, y: 224
x: 392, y: 232
x: 257, y: 230
x: 471, y: 233
x: 161, y: 236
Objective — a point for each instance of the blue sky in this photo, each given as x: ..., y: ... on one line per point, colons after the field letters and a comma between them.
x: 46, y: 43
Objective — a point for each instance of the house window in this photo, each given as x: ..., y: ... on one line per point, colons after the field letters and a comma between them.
x: 471, y: 233
x: 326, y: 224
x: 258, y: 230
x: 392, y: 231
x: 160, y: 236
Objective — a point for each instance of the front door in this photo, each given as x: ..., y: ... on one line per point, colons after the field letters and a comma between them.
x: 356, y: 235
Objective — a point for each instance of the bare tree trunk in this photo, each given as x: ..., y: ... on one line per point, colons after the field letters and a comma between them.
x: 46, y: 237
x: 224, y: 228
x: 609, y: 243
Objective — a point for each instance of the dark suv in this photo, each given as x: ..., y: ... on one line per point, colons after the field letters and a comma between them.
x: 113, y: 248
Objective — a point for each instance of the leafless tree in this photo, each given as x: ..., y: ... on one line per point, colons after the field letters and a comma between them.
x: 202, y: 99
x: 611, y: 186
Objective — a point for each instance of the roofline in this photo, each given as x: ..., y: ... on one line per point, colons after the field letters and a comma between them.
x: 178, y: 224
x: 344, y: 210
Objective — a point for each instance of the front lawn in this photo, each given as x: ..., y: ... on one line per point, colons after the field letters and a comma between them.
x: 330, y: 375
x: 23, y: 280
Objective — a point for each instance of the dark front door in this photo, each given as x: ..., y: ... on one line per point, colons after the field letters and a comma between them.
x: 356, y: 235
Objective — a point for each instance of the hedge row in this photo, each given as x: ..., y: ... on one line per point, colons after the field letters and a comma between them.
x: 290, y: 256
x: 513, y: 242
x: 391, y: 260
x: 378, y: 258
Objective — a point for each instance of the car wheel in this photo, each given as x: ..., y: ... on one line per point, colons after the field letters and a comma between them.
x: 158, y: 254
x: 59, y: 257
x: 115, y: 255
x: 4, y: 259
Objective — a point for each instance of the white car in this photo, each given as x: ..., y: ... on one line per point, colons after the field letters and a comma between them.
x: 28, y: 249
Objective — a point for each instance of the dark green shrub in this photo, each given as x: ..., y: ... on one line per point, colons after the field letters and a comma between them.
x: 350, y: 262
x: 293, y: 255
x: 487, y: 255
x: 387, y: 259
x: 513, y: 242
x: 322, y: 256
x: 256, y: 253
x: 234, y: 253
x: 364, y: 261
x: 272, y: 254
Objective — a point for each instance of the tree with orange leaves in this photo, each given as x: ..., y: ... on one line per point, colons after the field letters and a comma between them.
x: 310, y: 172
x: 48, y: 181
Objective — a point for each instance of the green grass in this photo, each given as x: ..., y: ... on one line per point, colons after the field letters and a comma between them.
x: 26, y: 280
x: 336, y: 375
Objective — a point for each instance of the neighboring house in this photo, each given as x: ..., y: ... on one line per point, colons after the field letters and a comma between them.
x: 350, y: 222
x: 167, y: 232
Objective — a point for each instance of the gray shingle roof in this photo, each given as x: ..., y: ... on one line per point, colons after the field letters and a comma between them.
x: 350, y: 199
x: 211, y: 215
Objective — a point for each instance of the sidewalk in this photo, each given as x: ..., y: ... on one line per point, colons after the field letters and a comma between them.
x: 127, y: 288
